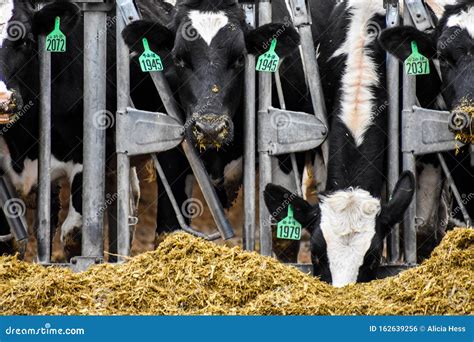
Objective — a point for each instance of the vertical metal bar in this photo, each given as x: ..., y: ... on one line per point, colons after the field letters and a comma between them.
x: 44, y: 165
x: 123, y: 160
x: 265, y: 161
x: 393, y: 87
x: 95, y: 42
x: 314, y: 81
x: 249, y: 147
x: 409, y: 161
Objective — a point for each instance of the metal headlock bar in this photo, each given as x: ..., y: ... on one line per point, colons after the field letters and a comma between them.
x: 250, y: 186
x: 393, y: 82
x: 167, y: 133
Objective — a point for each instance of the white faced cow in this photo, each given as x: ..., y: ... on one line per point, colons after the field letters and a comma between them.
x: 350, y: 222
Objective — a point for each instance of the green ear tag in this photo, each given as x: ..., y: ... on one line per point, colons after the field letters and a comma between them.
x: 417, y: 64
x: 289, y: 228
x: 150, y: 61
x: 268, y: 62
x: 56, y: 40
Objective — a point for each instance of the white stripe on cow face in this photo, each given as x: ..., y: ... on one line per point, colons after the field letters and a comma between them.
x: 208, y: 24
x: 360, y: 73
x: 348, y: 226
x: 464, y: 20
x: 6, y: 13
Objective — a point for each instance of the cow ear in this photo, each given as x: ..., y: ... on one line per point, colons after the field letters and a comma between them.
x: 258, y: 41
x: 392, y: 212
x: 278, y: 199
x: 44, y: 19
x: 398, y: 40
x: 159, y: 37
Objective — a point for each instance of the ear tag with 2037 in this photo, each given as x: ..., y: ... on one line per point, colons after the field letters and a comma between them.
x: 417, y: 64
x: 149, y: 61
x: 289, y: 228
x: 268, y: 62
x: 56, y: 40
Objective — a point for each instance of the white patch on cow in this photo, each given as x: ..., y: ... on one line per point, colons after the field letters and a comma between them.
x: 348, y: 226
x: 28, y: 178
x: 464, y: 20
x: 360, y: 73
x: 233, y: 172
x: 189, y: 184
x: 6, y: 13
x: 73, y: 220
x: 208, y: 24
x: 172, y: 2
x: 5, y: 94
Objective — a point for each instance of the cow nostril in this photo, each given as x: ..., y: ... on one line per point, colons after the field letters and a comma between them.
x: 199, y: 128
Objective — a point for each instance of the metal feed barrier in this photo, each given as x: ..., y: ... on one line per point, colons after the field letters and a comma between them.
x: 140, y: 132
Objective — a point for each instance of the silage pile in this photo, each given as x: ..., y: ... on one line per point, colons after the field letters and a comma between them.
x: 186, y: 275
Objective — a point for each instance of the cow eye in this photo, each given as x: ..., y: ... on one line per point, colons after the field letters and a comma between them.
x: 238, y: 62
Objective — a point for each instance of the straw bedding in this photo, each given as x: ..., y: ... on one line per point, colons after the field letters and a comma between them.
x: 186, y: 275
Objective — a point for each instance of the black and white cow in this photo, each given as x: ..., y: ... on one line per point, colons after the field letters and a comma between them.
x: 21, y: 26
x: 452, y: 43
x: 350, y: 221
x: 208, y: 42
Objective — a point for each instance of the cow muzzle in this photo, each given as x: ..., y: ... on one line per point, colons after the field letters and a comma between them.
x: 10, y: 105
x: 212, y: 131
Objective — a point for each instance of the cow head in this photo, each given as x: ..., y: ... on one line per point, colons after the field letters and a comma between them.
x: 452, y: 43
x: 208, y: 42
x: 20, y: 25
x: 347, y: 227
